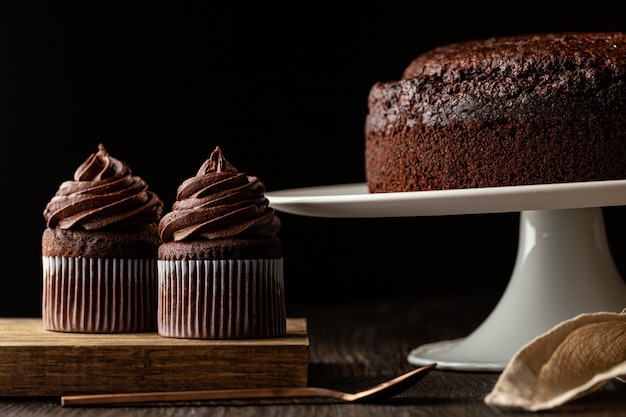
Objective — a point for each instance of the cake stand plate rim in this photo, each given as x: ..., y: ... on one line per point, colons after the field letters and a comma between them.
x: 354, y: 200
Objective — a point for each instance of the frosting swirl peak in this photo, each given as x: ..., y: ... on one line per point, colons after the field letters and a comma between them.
x: 219, y: 202
x: 103, y: 193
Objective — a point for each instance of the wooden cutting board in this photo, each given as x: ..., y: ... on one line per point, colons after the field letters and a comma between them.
x: 38, y: 362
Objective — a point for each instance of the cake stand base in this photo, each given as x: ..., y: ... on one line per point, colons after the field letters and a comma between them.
x: 563, y: 268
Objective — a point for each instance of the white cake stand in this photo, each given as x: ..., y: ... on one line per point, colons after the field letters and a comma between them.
x: 563, y: 267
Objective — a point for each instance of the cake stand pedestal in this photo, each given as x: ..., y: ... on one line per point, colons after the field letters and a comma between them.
x: 563, y: 266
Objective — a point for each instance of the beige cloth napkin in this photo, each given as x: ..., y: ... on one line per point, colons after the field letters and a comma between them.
x: 572, y: 359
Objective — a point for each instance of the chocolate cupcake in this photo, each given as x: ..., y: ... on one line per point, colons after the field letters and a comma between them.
x: 221, y: 264
x: 99, y: 251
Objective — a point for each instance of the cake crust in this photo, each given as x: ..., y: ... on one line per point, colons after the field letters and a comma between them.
x: 143, y: 242
x: 250, y: 248
x: 531, y: 109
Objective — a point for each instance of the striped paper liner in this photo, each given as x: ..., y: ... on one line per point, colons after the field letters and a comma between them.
x: 221, y: 299
x: 98, y: 295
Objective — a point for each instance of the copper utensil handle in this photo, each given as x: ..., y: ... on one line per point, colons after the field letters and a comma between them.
x: 199, y: 395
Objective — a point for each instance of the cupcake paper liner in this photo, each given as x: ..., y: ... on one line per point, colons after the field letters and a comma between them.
x: 97, y: 295
x: 221, y: 299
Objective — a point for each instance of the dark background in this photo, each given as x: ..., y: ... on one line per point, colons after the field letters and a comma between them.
x: 283, y: 91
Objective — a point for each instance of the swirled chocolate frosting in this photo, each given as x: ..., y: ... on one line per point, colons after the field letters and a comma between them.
x: 218, y: 203
x: 103, y: 194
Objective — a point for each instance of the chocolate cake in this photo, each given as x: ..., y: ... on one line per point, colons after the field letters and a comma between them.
x: 221, y: 263
x: 99, y: 251
x: 527, y: 109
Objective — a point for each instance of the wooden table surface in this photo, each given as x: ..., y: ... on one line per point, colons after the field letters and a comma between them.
x: 357, y: 344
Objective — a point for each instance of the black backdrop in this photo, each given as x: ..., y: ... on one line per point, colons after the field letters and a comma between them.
x: 283, y: 91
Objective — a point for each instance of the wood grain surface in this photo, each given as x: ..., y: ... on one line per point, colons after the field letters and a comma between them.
x: 38, y: 362
x: 354, y: 345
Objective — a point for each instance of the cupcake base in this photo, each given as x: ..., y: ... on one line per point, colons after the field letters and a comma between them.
x: 97, y: 295
x: 221, y: 299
